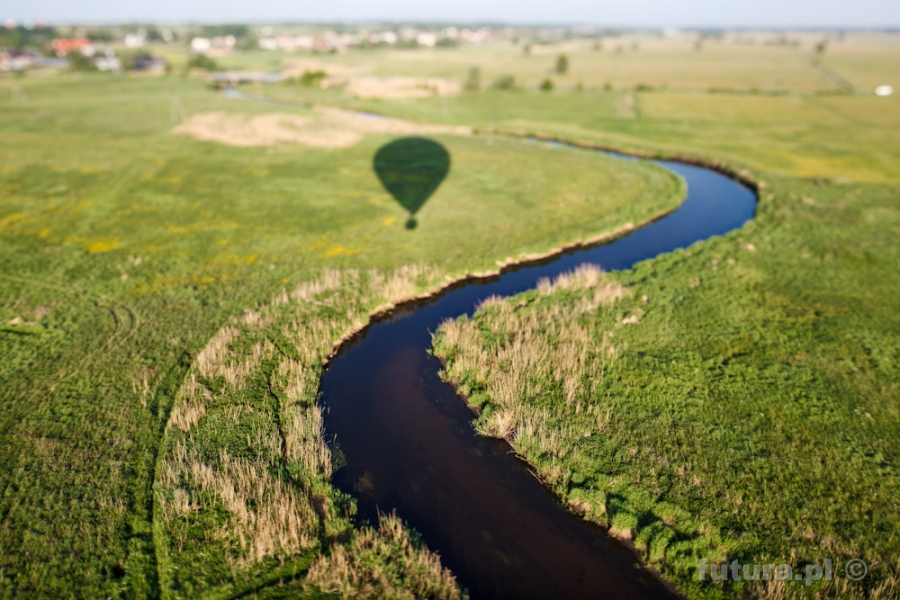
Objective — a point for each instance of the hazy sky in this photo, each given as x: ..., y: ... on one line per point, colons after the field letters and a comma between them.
x: 650, y: 13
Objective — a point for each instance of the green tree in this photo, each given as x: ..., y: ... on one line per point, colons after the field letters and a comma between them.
x: 80, y: 62
x: 547, y: 85
x: 504, y: 82
x: 473, y: 81
x: 562, y: 64
x: 202, y: 61
x: 312, y: 78
x: 247, y: 43
x: 236, y: 30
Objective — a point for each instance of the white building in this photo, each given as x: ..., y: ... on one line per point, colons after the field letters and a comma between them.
x: 200, y: 45
x: 426, y: 39
x: 135, y: 40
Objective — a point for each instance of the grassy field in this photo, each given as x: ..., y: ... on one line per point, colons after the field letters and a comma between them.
x: 750, y: 63
x: 737, y: 400
x: 806, y: 136
x: 734, y: 401
x: 166, y: 304
x: 162, y: 331
x: 737, y: 62
x: 763, y: 106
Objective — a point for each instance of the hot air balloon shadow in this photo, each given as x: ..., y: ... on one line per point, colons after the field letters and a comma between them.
x: 411, y: 169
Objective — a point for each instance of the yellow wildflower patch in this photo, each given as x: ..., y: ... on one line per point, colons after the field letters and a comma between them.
x: 4, y: 221
x: 202, y: 225
x: 102, y: 246
x: 339, y: 250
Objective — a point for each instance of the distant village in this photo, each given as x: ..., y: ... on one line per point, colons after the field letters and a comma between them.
x: 116, y: 49
x: 152, y: 49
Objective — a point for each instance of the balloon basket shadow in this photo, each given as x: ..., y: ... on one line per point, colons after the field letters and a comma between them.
x: 411, y: 223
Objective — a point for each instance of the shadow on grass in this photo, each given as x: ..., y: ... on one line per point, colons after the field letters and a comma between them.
x: 411, y: 169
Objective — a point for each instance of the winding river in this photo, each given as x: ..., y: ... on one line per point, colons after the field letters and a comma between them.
x: 410, y: 446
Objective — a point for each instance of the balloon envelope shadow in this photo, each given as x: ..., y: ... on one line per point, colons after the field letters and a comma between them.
x: 411, y: 169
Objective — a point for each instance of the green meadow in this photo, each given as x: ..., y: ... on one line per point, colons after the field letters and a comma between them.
x: 761, y: 106
x: 167, y: 304
x: 734, y: 401
x: 737, y: 400
x: 127, y: 249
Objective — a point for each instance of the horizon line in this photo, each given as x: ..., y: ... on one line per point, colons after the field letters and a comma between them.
x: 449, y: 22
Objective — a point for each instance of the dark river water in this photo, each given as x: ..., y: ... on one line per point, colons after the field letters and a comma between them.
x: 410, y: 446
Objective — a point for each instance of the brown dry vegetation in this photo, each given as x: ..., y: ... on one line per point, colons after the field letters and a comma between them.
x: 327, y: 127
x: 697, y: 452
x: 523, y: 366
x: 836, y: 589
x: 243, y: 483
x: 395, y: 87
x: 382, y: 563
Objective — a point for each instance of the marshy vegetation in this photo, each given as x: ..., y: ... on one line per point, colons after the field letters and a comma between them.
x: 736, y: 400
x: 159, y: 437
x: 523, y: 365
x: 126, y: 253
x: 243, y: 495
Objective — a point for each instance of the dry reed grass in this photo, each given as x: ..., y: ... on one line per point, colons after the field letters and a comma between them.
x: 191, y: 406
x: 401, y: 284
x: 395, y: 87
x: 266, y: 516
x: 269, y: 493
x: 524, y: 366
x: 217, y: 360
x: 514, y: 359
x: 210, y: 359
x: 301, y: 421
x: 586, y: 276
x: 382, y: 563
x: 140, y: 384
x: 260, y: 512
x: 329, y: 281
x: 326, y: 127
x: 839, y: 588
x: 533, y: 362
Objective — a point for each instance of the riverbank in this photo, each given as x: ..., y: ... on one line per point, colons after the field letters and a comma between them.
x: 734, y: 401
x: 134, y: 247
x: 403, y: 431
